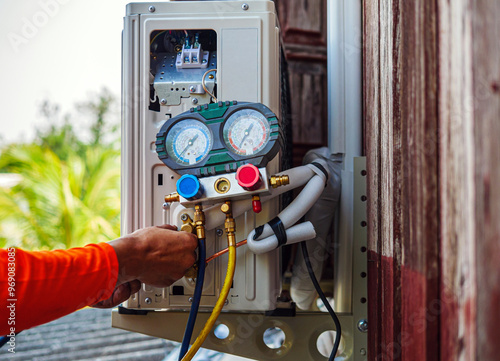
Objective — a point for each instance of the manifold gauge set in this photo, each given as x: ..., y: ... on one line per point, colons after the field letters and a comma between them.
x: 221, y: 150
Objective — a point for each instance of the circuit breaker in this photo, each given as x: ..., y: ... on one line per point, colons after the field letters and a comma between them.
x: 189, y: 69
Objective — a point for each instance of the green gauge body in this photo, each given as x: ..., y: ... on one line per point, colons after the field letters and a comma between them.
x: 218, y: 138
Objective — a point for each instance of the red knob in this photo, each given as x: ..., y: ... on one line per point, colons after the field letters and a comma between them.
x: 248, y: 177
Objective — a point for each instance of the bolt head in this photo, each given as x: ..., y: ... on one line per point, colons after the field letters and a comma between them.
x: 190, y: 299
x: 245, y: 6
x: 219, y: 232
x: 362, y: 352
x: 184, y: 217
x: 363, y: 325
x: 148, y: 300
x: 163, y: 101
x: 194, y: 100
x: 152, y: 9
x: 226, y: 302
x: 192, y: 88
x: 166, y: 205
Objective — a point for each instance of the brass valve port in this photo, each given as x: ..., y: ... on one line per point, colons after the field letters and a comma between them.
x: 222, y: 185
x: 172, y: 197
x: 279, y: 180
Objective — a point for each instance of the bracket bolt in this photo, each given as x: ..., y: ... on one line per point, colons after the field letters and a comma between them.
x: 192, y: 88
x: 163, y: 101
x: 219, y: 232
x: 152, y: 9
x: 184, y: 217
x: 148, y: 300
x: 190, y: 299
x: 362, y: 352
x: 166, y: 205
x: 363, y: 325
x: 194, y: 100
x: 245, y: 6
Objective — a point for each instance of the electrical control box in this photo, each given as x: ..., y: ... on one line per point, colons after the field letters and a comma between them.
x: 189, y: 70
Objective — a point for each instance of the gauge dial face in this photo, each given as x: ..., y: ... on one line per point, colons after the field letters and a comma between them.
x: 246, y: 132
x: 188, y: 142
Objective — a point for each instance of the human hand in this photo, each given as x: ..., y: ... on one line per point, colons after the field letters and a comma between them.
x: 157, y: 256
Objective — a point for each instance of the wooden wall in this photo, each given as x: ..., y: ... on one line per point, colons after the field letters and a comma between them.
x: 432, y: 120
x: 303, y: 28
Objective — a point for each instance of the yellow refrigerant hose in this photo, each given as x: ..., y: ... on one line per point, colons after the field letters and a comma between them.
x: 228, y: 281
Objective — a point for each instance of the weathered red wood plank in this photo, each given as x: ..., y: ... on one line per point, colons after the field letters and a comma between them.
x: 400, y: 109
x: 486, y: 95
x: 432, y: 114
x: 457, y: 338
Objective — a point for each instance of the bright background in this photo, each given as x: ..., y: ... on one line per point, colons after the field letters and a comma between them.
x: 71, y: 50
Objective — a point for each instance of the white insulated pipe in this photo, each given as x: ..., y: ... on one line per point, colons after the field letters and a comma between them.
x: 291, y: 214
x: 297, y: 233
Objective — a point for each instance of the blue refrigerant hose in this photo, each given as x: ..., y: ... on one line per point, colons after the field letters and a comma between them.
x: 196, y: 298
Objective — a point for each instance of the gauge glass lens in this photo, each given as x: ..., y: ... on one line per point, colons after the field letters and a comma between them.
x: 246, y: 132
x: 188, y: 142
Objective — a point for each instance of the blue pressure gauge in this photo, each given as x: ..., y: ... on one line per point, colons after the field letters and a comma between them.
x: 189, y: 142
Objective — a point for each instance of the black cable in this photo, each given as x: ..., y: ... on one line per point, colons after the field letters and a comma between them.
x: 338, y: 329
x: 3, y: 340
x: 196, y: 298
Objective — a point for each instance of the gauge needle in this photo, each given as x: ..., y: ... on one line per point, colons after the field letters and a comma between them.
x: 190, y: 143
x: 247, y: 132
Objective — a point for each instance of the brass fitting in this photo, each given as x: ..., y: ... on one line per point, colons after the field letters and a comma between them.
x: 199, y: 221
x: 187, y: 227
x: 192, y: 272
x: 278, y: 180
x: 172, y: 197
x: 225, y: 208
x: 229, y: 224
x: 231, y: 239
x: 187, y: 223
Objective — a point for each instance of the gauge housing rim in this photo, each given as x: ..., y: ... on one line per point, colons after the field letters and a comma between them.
x: 216, y: 125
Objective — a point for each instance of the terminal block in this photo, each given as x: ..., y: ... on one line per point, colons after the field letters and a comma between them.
x: 192, y: 58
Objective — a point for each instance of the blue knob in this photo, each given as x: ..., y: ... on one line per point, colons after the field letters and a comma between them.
x: 188, y: 186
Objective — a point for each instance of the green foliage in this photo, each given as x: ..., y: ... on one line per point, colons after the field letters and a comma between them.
x: 69, y: 194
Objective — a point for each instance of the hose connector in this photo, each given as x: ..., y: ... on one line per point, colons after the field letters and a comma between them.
x: 199, y: 221
x: 172, y: 197
x: 229, y: 224
x: 279, y: 180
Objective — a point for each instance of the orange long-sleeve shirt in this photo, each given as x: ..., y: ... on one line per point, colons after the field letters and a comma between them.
x: 40, y: 286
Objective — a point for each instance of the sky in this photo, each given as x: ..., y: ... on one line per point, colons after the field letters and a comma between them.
x: 60, y: 50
